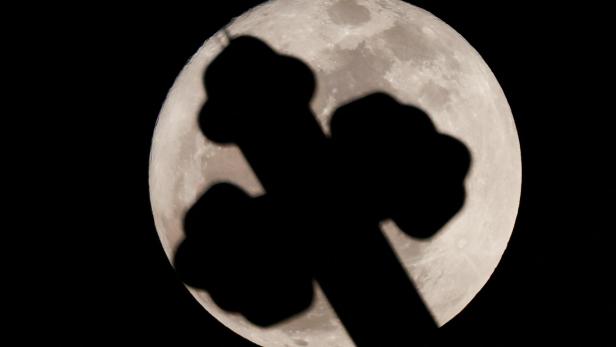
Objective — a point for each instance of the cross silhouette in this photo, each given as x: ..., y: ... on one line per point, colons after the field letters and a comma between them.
x: 325, y: 198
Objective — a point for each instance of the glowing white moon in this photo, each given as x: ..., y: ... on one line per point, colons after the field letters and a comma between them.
x: 356, y: 47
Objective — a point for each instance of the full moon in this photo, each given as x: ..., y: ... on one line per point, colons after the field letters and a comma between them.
x: 356, y: 47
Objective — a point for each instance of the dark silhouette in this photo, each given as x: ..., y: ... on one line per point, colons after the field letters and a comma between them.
x: 325, y: 197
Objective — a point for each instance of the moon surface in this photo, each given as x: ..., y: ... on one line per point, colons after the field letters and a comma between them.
x: 356, y: 47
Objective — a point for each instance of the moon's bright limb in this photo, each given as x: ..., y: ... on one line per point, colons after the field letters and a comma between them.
x: 356, y: 47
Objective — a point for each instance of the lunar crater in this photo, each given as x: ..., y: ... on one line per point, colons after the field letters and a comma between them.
x: 348, y: 12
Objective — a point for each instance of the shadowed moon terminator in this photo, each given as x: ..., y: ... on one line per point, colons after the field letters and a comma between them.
x: 325, y: 198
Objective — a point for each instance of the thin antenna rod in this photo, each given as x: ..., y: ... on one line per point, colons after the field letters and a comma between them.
x: 226, y: 33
